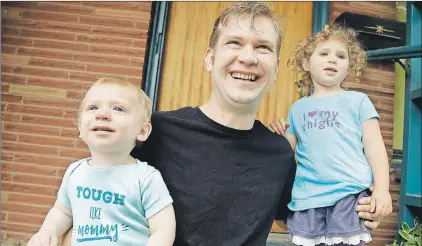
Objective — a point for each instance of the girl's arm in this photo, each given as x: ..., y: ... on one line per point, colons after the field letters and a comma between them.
x: 376, y: 154
x: 163, y: 227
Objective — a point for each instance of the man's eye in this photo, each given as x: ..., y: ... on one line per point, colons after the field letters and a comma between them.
x: 233, y: 43
x: 265, y: 47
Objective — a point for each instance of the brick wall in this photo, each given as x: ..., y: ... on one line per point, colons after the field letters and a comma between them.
x: 50, y: 52
x: 378, y: 82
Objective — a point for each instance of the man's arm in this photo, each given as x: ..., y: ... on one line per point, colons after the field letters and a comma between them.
x: 163, y: 227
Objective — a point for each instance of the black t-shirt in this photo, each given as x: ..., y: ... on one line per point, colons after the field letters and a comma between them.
x: 227, y: 184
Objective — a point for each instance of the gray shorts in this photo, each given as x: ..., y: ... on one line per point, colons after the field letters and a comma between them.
x: 339, y: 220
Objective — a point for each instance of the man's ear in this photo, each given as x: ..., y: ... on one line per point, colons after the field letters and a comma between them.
x: 305, y: 65
x: 145, y: 131
x: 209, y: 59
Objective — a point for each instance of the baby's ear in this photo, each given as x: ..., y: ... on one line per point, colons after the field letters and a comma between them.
x: 145, y: 131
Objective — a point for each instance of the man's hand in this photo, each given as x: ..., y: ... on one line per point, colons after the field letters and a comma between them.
x: 279, y: 126
x: 364, y: 211
x: 43, y: 238
x: 381, y: 203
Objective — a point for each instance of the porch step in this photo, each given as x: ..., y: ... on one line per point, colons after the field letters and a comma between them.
x: 279, y: 239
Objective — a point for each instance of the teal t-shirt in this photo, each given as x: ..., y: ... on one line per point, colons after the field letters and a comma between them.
x: 112, y: 205
x: 329, y: 150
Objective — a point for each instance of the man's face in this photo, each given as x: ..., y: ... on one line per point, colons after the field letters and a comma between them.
x: 244, y: 63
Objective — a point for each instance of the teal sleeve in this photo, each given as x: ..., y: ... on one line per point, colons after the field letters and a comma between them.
x: 154, y: 194
x: 367, y: 110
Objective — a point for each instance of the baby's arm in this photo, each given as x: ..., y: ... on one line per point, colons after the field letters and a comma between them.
x: 163, y: 227
x: 376, y: 154
x: 57, y: 221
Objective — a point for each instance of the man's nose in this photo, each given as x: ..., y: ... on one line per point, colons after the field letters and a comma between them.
x: 247, y: 56
x: 102, y: 114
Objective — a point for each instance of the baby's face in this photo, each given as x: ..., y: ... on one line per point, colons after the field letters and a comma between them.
x: 110, y: 120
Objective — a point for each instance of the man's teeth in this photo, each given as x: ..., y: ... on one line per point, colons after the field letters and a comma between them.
x: 244, y: 76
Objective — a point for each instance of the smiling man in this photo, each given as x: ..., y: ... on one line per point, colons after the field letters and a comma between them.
x: 228, y: 175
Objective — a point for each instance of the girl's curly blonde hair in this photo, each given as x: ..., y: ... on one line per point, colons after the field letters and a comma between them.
x: 305, y: 48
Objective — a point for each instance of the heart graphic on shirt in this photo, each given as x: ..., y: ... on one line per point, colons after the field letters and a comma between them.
x: 311, y: 114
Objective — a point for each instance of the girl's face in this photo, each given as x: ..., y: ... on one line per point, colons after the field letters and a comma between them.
x: 328, y: 63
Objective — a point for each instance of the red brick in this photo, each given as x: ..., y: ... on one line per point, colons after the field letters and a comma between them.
x: 47, y: 34
x: 56, y: 64
x: 13, y: 79
x: 20, y: 237
x: 8, y: 49
x: 63, y: 27
x: 134, y: 33
x: 41, y: 15
x: 27, y: 109
x: 6, y: 156
x: 63, y: 7
x: 3, y: 216
x: 97, y: 58
x: 26, y: 218
x: 7, y: 136
x: 15, y: 118
x: 90, y: 77
x: 8, y: 166
x: 140, y: 43
x: 5, y: 68
x: 135, y: 6
x: 73, y: 133
x: 19, y: 23
x: 116, y: 50
x: 49, y: 101
x: 142, y: 25
x: 6, y: 176
x: 40, y: 72
x: 137, y: 62
x: 43, y: 160
x: 60, y: 45
x: 26, y: 148
x: 45, y: 53
x: 40, y: 120
x: 9, y: 31
x: 110, y: 22
x: 74, y: 153
x: 36, y: 179
x: 11, y: 98
x: 51, y: 141
x: 45, y: 201
x: 25, y: 188
x: 56, y: 83
x: 103, y: 40
x: 129, y: 71
x: 140, y: 15
x: 20, y: 227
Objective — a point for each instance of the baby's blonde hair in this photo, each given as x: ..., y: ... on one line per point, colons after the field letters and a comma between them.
x: 144, y: 104
x: 357, y: 56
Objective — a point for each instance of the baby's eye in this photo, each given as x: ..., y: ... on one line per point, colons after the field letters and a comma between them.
x: 92, y: 107
x: 119, y: 108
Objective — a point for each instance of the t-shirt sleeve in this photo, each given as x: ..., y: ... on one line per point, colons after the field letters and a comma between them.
x: 286, y: 195
x: 291, y: 129
x: 367, y: 110
x: 62, y: 195
x: 154, y: 194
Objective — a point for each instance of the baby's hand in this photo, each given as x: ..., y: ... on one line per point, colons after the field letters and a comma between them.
x: 381, y: 203
x: 279, y: 126
x: 43, y: 238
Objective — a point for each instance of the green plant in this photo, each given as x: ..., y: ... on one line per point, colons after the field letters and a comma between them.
x: 410, y: 236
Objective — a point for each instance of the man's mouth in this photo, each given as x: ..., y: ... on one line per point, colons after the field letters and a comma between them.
x: 102, y: 129
x: 246, y: 77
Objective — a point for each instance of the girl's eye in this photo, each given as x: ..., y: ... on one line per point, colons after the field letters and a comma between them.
x: 323, y: 53
x: 342, y: 56
x: 92, y: 107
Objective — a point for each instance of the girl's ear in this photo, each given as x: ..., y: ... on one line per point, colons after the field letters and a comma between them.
x: 305, y: 65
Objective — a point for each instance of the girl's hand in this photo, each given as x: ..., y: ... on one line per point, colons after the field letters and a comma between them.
x: 381, y: 203
x: 279, y: 126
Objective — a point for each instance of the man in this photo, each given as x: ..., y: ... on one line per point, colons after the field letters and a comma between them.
x: 228, y: 175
